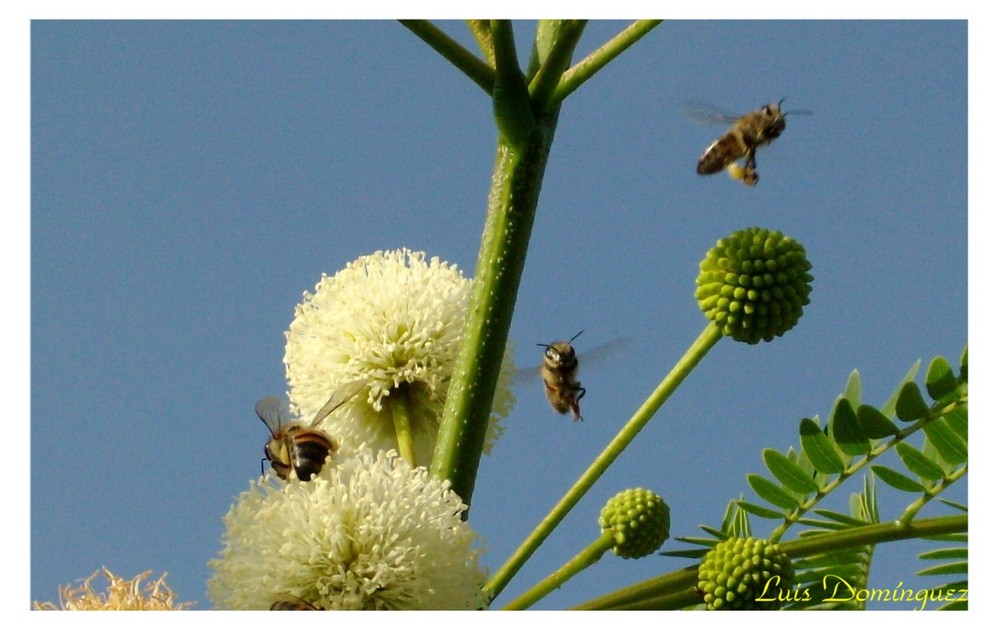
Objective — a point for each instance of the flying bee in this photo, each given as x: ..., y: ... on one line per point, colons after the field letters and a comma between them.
x: 559, y: 376
x: 748, y: 133
x: 294, y: 603
x: 292, y: 445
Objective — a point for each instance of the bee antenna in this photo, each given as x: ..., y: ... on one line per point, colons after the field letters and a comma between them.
x: 576, y: 336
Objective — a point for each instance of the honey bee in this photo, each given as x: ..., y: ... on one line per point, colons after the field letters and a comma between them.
x: 748, y: 133
x: 292, y: 445
x: 293, y: 603
x: 559, y: 376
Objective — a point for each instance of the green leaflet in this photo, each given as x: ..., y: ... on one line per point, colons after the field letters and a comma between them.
x: 760, y: 511
x: 852, y: 391
x: 948, y: 443
x: 940, y: 379
x: 874, y: 424
x: 819, y: 448
x: 958, y: 420
x: 910, y: 405
x: 771, y: 492
x: 918, y: 463
x: 897, y: 480
x: 958, y: 567
x: 840, y: 517
x: 945, y: 553
x: 787, y: 472
x: 889, y: 409
x: 847, y: 430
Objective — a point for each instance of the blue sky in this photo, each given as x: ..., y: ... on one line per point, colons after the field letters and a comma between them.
x: 189, y: 180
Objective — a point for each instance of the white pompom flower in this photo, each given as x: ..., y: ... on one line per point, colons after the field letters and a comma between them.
x: 390, y: 323
x: 370, y: 532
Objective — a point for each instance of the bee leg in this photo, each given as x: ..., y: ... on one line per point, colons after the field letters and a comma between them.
x: 750, y: 168
x: 580, y: 392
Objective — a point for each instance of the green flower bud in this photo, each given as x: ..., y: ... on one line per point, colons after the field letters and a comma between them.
x: 734, y: 573
x: 754, y: 284
x: 640, y: 521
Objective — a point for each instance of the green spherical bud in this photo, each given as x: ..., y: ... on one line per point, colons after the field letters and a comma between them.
x: 639, y: 520
x: 736, y: 572
x: 754, y: 284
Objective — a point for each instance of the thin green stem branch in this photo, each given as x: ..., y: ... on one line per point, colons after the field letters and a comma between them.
x: 470, y: 65
x: 586, y: 557
x: 911, y: 511
x: 629, y: 431
x: 399, y: 407
x: 556, y: 59
x: 480, y: 30
x: 588, y: 67
x: 677, y: 589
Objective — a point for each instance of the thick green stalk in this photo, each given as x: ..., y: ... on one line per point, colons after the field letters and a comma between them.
x: 522, y: 153
x: 587, y: 557
x: 677, y: 589
x: 517, y: 181
x: 630, y: 430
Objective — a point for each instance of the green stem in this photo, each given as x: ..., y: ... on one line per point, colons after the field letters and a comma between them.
x: 513, y: 198
x: 587, y: 557
x: 399, y: 407
x: 469, y: 64
x: 511, y: 105
x: 557, y: 56
x: 911, y: 511
x: 545, y: 37
x: 677, y: 589
x: 481, y: 32
x: 680, y: 371
x: 588, y: 67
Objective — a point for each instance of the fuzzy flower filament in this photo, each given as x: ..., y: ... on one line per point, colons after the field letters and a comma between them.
x: 391, y: 322
x: 369, y: 532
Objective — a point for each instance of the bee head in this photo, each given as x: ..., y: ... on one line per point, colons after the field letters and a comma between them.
x: 559, y: 352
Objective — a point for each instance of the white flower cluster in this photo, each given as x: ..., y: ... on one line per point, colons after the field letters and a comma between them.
x: 369, y: 532
x: 391, y: 322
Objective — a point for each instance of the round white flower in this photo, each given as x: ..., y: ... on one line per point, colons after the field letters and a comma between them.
x: 369, y: 532
x: 390, y: 324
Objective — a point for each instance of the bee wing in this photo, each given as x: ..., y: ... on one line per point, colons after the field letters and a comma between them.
x: 271, y: 411
x: 707, y: 114
x: 598, y: 354
x: 528, y: 374
x: 604, y: 352
x: 340, y: 396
